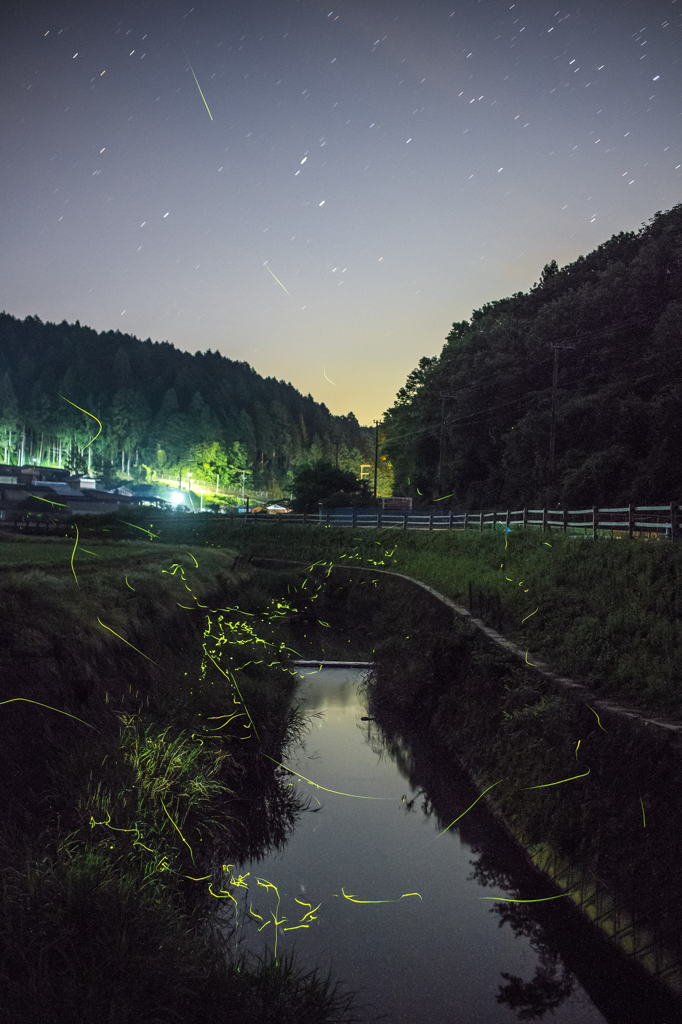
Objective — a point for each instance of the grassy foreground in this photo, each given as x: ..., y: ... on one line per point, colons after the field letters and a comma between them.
x: 134, y: 719
x: 607, y: 613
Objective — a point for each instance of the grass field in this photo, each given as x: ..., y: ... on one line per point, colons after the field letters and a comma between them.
x: 122, y: 790
x: 606, y: 612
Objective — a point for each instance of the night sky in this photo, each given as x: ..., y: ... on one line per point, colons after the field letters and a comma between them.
x: 321, y: 189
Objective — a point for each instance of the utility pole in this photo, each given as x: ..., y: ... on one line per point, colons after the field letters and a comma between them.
x: 440, y: 448
x: 552, y: 431
x: 376, y: 456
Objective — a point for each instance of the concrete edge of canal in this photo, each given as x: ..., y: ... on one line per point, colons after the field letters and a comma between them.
x: 598, y: 904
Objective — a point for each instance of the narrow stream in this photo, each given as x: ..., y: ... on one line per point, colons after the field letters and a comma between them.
x: 439, y: 949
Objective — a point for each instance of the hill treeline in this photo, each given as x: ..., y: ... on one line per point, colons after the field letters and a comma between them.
x: 570, y: 393
x: 161, y: 409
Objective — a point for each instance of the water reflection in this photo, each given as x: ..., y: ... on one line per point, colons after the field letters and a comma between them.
x: 333, y: 891
x: 571, y: 960
x: 267, y: 812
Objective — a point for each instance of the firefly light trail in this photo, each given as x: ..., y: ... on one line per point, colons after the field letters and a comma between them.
x: 278, y: 281
x: 199, y: 88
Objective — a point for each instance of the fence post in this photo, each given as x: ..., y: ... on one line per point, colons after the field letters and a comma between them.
x: 378, y: 520
x: 595, y: 520
x: 431, y: 520
x: 631, y: 520
x: 466, y: 520
x: 673, y: 521
x: 544, y: 519
x: 525, y: 516
x: 480, y: 524
x: 507, y: 519
x: 450, y: 520
x: 353, y: 518
x: 328, y: 514
x: 404, y: 520
x: 565, y: 520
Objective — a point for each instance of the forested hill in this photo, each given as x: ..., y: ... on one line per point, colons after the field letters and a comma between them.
x: 158, y: 407
x: 480, y: 421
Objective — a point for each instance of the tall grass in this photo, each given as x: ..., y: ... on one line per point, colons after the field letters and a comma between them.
x: 129, y: 781
x: 608, y: 613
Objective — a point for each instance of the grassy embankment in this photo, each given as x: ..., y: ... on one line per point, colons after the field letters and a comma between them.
x: 607, y: 613
x: 123, y: 792
x: 598, y: 791
x: 598, y: 605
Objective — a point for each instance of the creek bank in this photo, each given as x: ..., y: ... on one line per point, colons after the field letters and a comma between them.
x: 589, y: 795
x: 607, y: 613
x: 120, y: 789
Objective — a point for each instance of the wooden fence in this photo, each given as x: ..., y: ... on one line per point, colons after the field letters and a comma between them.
x: 653, y: 521
x: 649, y: 521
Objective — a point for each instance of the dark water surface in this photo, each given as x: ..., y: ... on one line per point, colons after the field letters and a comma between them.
x: 434, y: 957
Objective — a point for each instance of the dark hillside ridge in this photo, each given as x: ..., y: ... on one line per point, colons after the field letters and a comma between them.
x: 489, y: 423
x: 150, y: 396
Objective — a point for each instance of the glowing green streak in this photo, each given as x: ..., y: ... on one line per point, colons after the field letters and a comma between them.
x: 598, y: 722
x: 226, y: 896
x: 87, y: 414
x: 310, y: 912
x: 268, y: 885
x: 643, y: 818
x: 38, y: 498
x: 443, y: 498
x: 528, y: 616
x: 49, y: 706
x: 179, y: 832
x: 282, y: 286
x: 544, y: 785
x: 124, y: 640
x: 234, y: 682
x: 502, y: 899
x: 72, y: 554
x: 469, y: 808
x: 199, y: 88
x: 330, y: 381
x: 139, y: 528
x: 338, y: 793
x: 353, y: 899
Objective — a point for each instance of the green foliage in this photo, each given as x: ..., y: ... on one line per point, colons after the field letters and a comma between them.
x: 215, y: 412
x: 323, y: 483
x: 210, y: 460
x: 476, y: 422
x: 112, y: 831
x: 608, y: 613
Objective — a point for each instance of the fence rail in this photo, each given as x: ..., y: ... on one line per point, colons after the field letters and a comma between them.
x: 650, y: 521
x: 629, y: 520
